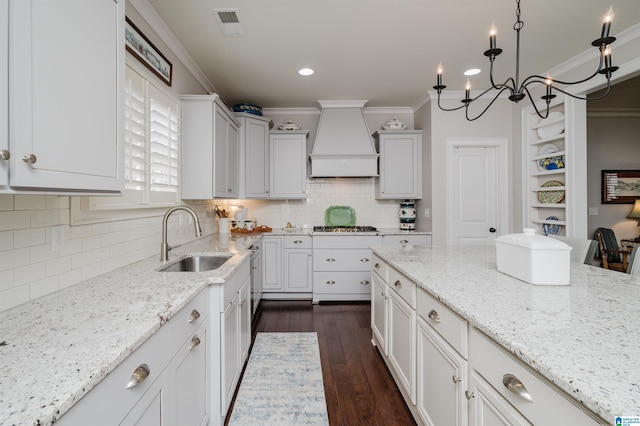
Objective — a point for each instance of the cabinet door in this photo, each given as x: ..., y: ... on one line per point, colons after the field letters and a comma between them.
x: 488, y: 407
x: 402, y: 337
x: 152, y: 409
x: 288, y: 166
x: 256, y: 159
x: 400, y: 166
x: 297, y: 271
x: 190, y: 370
x: 379, y: 311
x: 4, y: 93
x: 245, y: 320
x: 220, y: 153
x: 232, y: 160
x: 65, y: 109
x: 272, y: 264
x: 441, y: 380
x: 230, y: 352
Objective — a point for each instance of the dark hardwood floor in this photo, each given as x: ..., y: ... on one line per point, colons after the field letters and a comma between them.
x: 358, y: 387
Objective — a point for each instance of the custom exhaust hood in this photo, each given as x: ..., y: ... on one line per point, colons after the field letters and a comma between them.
x: 343, y: 146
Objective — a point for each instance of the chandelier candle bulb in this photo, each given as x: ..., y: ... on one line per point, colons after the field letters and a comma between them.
x: 467, y: 90
x: 439, y: 75
x: 492, y: 36
x: 606, y: 23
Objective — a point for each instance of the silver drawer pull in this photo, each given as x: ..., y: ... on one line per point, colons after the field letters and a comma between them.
x: 377, y: 265
x: 297, y: 242
x: 364, y: 259
x: 469, y: 395
x: 514, y: 384
x: 364, y: 282
x: 404, y: 241
x: 398, y: 284
x: 195, y: 341
x: 138, y: 376
x: 331, y: 259
x: 5, y: 154
x: 455, y: 379
x: 331, y: 282
x: 194, y: 315
x: 30, y: 159
x: 434, y: 316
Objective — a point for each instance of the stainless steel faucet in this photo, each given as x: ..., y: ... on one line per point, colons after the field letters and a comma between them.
x: 164, y: 247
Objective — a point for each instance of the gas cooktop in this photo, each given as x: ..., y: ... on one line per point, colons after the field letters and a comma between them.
x: 344, y: 229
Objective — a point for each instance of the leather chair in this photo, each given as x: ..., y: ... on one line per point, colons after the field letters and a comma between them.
x: 611, y: 255
x: 582, y: 250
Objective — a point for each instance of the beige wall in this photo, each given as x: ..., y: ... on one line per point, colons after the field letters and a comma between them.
x: 613, y: 143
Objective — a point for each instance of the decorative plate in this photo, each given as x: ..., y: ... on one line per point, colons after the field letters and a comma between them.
x: 250, y: 108
x: 551, y: 197
x: 340, y: 216
x: 548, y: 149
x: 551, y: 163
x: 554, y: 128
x: 551, y: 228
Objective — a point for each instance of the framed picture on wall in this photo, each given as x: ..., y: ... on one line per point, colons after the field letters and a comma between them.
x: 140, y: 47
x: 620, y: 186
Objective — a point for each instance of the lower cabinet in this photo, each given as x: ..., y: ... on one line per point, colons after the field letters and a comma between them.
x: 453, y: 374
x: 287, y: 267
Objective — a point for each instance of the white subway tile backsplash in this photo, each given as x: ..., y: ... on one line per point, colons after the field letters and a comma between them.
x: 15, y: 258
x: 6, y: 202
x: 70, y: 278
x: 58, y: 266
x: 14, y: 297
x: 28, y: 237
x: 43, y: 287
x: 30, y: 273
x: 6, y: 240
x: 30, y: 202
x: 44, y: 218
x: 91, y: 271
x: 6, y: 280
x: 14, y: 220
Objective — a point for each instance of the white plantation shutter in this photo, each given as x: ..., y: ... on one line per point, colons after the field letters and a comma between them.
x: 152, y: 147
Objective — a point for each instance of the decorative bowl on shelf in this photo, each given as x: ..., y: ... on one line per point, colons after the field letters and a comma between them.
x: 394, y: 124
x: 289, y: 126
x: 250, y: 108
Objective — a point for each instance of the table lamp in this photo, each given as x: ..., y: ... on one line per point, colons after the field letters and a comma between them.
x: 635, y: 214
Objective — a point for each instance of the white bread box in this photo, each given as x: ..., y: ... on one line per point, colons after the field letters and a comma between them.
x: 532, y: 258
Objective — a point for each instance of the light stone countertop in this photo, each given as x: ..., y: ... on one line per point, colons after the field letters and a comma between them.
x: 56, y: 348
x: 584, y: 337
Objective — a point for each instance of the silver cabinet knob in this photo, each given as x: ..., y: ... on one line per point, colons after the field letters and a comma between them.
x: 455, y: 378
x: 398, y: 284
x: 331, y: 282
x: 364, y: 259
x: 364, y: 282
x: 331, y: 259
x: 30, y: 159
x: 195, y: 341
x: 514, y: 384
x: 404, y: 241
x: 194, y: 315
x: 469, y: 395
x: 377, y: 265
x: 138, y: 376
x: 5, y: 154
x: 297, y: 242
x: 434, y: 315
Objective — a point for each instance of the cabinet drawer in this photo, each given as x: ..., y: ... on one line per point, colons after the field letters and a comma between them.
x: 189, y: 318
x: 342, y: 260
x: 415, y: 240
x: 345, y: 241
x: 380, y: 267
x: 297, y: 241
x: 443, y: 320
x: 403, y: 286
x: 548, y: 405
x: 342, y: 282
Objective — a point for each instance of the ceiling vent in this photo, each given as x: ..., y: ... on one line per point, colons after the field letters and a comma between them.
x: 229, y: 21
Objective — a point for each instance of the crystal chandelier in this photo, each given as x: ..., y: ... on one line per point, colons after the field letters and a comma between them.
x: 519, y: 90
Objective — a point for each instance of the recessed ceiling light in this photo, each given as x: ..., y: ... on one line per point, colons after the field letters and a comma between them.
x: 472, y: 71
x: 305, y: 71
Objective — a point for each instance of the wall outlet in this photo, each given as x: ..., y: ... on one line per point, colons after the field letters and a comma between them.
x: 57, y: 238
x: 593, y: 211
x: 427, y: 213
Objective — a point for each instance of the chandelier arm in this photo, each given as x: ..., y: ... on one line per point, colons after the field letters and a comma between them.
x: 448, y: 109
x: 488, y: 106
x: 587, y: 98
x: 502, y: 85
x: 534, y: 104
x: 569, y: 83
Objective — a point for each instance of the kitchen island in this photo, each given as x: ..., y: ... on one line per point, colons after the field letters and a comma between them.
x: 583, y: 337
x: 55, y: 349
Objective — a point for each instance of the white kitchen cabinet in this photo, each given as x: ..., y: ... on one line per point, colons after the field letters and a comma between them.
x: 402, y: 341
x: 4, y: 94
x: 400, y: 164
x: 488, y: 408
x: 209, y: 148
x: 65, y: 120
x: 379, y: 312
x: 409, y: 239
x: 298, y: 265
x: 342, y: 267
x: 245, y: 319
x: 288, y: 164
x: 152, y: 409
x: 254, y: 155
x: 272, y: 264
x: 441, y: 379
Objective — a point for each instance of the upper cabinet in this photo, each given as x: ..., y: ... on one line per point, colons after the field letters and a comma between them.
x: 288, y: 164
x: 254, y: 155
x: 4, y: 95
x: 209, y: 148
x: 400, y: 164
x: 64, y: 95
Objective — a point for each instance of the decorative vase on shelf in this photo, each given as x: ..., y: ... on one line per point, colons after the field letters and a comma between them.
x: 407, y: 214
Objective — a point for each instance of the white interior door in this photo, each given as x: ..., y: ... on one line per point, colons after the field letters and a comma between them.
x: 477, y: 192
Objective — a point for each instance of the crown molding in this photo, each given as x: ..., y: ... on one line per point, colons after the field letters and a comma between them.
x: 291, y: 111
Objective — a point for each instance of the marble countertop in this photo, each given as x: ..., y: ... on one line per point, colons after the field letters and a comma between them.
x: 309, y: 231
x: 55, y: 349
x: 583, y: 337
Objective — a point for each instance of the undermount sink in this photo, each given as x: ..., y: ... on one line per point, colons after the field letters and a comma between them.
x: 196, y: 264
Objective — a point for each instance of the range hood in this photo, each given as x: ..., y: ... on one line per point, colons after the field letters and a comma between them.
x: 343, y: 146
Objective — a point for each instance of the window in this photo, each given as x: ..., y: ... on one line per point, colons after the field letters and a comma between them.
x: 151, y: 139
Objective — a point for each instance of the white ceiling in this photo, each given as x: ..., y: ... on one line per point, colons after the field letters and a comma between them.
x: 385, y: 51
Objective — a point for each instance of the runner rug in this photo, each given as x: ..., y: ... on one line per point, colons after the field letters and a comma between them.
x: 282, y: 384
